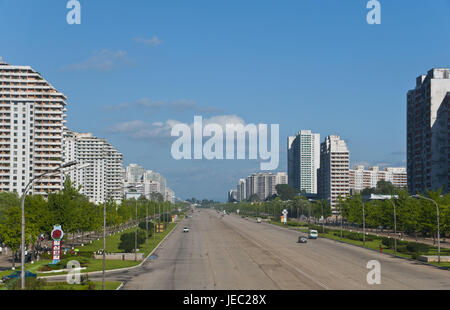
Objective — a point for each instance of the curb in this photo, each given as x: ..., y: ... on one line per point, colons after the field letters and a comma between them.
x: 120, y: 269
x: 119, y: 287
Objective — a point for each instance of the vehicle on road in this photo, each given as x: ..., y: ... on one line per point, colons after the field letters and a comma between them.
x: 258, y: 220
x: 185, y: 229
x: 17, y: 274
x: 313, y: 234
x: 302, y: 239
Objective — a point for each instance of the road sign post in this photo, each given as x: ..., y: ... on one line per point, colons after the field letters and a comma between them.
x: 57, y: 235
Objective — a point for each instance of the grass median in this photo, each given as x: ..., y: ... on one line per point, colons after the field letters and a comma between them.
x: 91, y: 264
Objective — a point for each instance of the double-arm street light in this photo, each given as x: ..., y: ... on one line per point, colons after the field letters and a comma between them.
x: 135, y: 187
x: 437, y: 216
x: 22, y: 204
x: 104, y: 234
x: 364, y: 223
x: 395, y: 226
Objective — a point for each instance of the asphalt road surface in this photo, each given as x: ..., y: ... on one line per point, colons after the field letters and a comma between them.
x: 230, y: 252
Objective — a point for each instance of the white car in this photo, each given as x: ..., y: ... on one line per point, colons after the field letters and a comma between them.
x: 185, y: 229
x: 313, y: 234
x: 258, y: 220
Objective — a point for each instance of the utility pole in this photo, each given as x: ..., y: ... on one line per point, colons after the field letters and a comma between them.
x: 154, y: 224
x: 323, y: 218
x: 104, y: 246
x: 437, y: 218
x: 135, y: 234
x: 364, y: 224
x: 146, y: 224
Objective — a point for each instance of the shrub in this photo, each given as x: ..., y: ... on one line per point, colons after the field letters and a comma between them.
x: 417, y: 248
x: 127, y: 240
x: 142, y: 225
x: 402, y: 249
x: 30, y: 284
x: 387, y: 242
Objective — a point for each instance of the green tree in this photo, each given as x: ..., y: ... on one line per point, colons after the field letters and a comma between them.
x: 127, y: 240
x: 285, y: 191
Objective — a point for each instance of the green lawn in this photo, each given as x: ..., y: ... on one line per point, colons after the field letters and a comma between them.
x: 112, y: 243
x: 109, y: 285
x: 97, y: 264
x: 30, y: 267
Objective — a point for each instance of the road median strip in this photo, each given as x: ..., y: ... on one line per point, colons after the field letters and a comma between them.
x: 119, y: 269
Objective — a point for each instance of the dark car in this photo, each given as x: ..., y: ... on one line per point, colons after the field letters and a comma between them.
x: 302, y: 239
x: 17, y: 274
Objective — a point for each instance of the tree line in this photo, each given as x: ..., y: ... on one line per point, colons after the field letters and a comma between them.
x: 70, y: 209
x: 413, y: 216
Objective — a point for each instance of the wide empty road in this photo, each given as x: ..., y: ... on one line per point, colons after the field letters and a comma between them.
x: 234, y: 253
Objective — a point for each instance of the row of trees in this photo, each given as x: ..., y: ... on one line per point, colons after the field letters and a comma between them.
x: 298, y: 207
x: 414, y: 216
x: 70, y: 209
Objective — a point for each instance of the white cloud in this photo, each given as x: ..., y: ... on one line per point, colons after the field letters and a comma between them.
x: 103, y: 60
x: 138, y: 129
x: 153, y: 41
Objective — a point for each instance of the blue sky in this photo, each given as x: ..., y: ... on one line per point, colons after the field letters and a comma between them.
x: 133, y: 65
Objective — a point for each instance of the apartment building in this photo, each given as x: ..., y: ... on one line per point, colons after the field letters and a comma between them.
x: 361, y: 178
x: 170, y: 195
x: 102, y: 179
x: 334, y: 170
x: 146, y: 182
x: 304, y: 161
x: 428, y: 132
x: 134, y: 173
x: 232, y: 195
x: 32, y: 116
x: 241, y: 190
x: 263, y: 184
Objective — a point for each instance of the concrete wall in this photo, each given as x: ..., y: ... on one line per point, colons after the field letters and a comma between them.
x: 120, y: 256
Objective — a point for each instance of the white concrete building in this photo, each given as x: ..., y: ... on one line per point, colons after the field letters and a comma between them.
x: 148, y: 182
x: 428, y: 132
x: 334, y: 170
x: 32, y: 116
x: 170, y: 195
x: 241, y: 191
x: 134, y: 173
x: 304, y: 161
x: 232, y: 195
x: 263, y: 184
x: 102, y: 179
x: 360, y: 178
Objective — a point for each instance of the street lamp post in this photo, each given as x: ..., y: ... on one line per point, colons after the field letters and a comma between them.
x: 154, y: 224
x: 135, y: 233
x: 104, y: 246
x: 146, y: 225
x: 395, y: 227
x: 22, y: 204
x: 364, y: 224
x: 323, y: 218
x: 437, y: 215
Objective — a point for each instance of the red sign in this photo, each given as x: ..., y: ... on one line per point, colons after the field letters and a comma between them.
x: 57, y: 235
